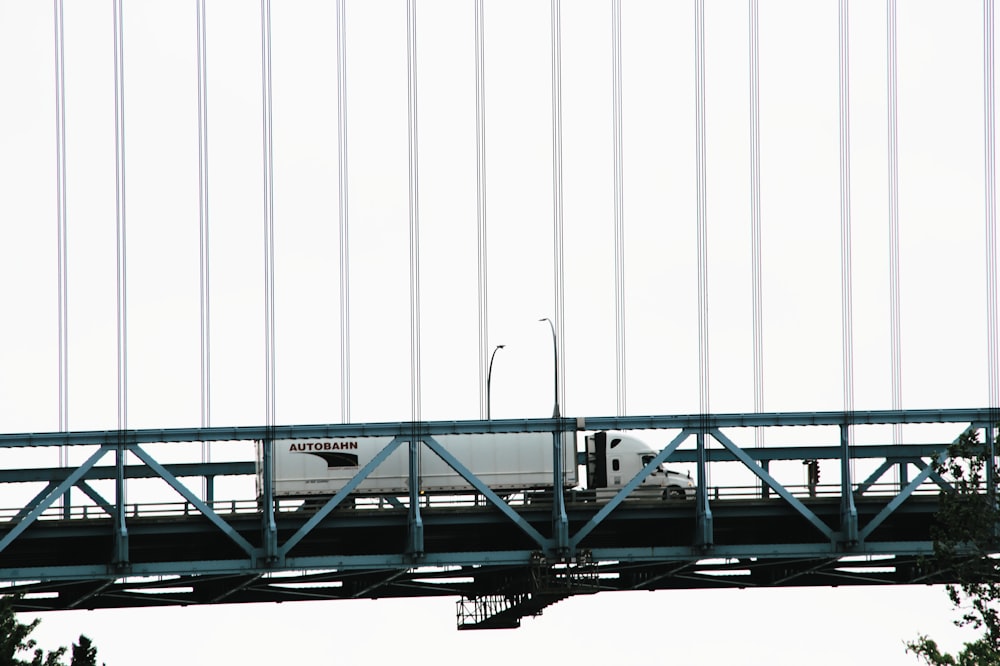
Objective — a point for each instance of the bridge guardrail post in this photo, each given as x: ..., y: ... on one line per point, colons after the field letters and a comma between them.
x: 765, y: 490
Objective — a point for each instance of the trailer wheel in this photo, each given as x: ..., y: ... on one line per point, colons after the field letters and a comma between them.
x: 673, y: 492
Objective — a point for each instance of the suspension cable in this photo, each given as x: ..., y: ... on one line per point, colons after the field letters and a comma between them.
x: 345, y: 273
x: 557, y: 197
x: 62, y: 259
x: 895, y: 320
x: 121, y: 274
x: 847, y: 307
x: 989, y: 95
x: 268, y: 160
x: 702, y: 222
x: 755, y: 230
x: 616, y: 67
x: 203, y: 235
x: 702, y: 229
x: 62, y: 281
x: 414, y: 162
x: 481, y: 211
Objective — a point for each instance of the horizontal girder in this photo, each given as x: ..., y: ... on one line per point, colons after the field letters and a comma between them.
x: 95, y: 553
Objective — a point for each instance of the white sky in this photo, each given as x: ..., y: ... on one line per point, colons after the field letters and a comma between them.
x: 943, y: 290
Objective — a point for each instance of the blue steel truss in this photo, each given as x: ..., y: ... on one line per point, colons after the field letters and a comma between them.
x: 84, y: 549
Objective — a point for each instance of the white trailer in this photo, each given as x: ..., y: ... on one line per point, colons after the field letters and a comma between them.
x: 505, y: 462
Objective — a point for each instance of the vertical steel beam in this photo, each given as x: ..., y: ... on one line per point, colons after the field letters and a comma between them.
x: 415, y: 523
x: 991, y: 465
x: 269, y: 529
x: 560, y: 522
x: 704, y: 531
x: 991, y: 484
x: 848, y: 512
x: 121, y: 558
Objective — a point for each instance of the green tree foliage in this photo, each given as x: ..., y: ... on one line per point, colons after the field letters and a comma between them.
x: 84, y: 653
x: 14, y: 640
x: 965, y: 545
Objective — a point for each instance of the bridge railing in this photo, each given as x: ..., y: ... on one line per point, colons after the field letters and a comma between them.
x: 233, y: 507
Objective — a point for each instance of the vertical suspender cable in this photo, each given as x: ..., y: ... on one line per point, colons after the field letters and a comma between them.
x: 894, y: 266
x: 62, y: 282
x: 120, y: 218
x: 755, y: 231
x: 560, y: 523
x: 481, y: 211
x: 989, y: 111
x: 704, y: 479
x: 269, y: 528
x: 268, y: 159
x: 121, y: 543
x: 616, y: 74
x: 847, y: 307
x: 411, y: 61
x: 345, y: 273
x: 203, y: 236
x: 702, y: 230
x: 61, y: 257
x: 557, y: 196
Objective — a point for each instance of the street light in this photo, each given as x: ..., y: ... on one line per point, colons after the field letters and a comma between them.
x: 555, y: 365
x: 489, y: 375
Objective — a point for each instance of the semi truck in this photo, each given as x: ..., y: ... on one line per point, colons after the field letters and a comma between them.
x: 507, y: 463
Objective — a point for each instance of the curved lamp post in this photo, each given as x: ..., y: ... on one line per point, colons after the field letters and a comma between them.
x: 555, y: 365
x: 489, y: 376
x: 560, y: 522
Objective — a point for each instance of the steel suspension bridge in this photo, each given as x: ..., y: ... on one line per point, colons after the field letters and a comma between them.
x: 88, y: 533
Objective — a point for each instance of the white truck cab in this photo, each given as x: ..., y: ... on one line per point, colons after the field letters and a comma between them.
x: 614, y: 458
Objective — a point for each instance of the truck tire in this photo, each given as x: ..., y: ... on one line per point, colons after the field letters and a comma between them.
x: 673, y: 492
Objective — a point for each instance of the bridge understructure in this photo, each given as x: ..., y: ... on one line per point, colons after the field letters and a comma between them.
x: 822, y: 503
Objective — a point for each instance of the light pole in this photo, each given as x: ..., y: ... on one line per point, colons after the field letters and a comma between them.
x: 555, y: 365
x: 489, y: 375
x: 560, y: 522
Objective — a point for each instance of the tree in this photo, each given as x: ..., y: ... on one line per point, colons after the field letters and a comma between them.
x: 14, y: 640
x: 965, y: 543
x: 84, y: 653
